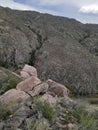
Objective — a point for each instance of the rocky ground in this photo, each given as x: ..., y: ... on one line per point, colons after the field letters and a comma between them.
x: 36, y: 105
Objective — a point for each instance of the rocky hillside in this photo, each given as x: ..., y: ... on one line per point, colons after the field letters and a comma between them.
x: 62, y: 49
x: 36, y: 105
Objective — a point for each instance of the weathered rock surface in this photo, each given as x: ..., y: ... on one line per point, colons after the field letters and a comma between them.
x: 28, y: 84
x: 57, y: 89
x: 33, y: 86
x: 72, y: 126
x: 39, y: 89
x: 13, y: 98
x: 48, y: 98
x: 24, y: 75
x: 14, y: 121
x: 28, y: 71
x: 30, y: 116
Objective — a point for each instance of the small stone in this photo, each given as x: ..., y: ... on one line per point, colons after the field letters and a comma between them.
x: 71, y: 126
x: 48, y: 98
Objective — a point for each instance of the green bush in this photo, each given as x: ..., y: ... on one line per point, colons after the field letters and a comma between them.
x: 46, y: 109
x: 4, y: 112
x: 69, y: 118
x: 11, y: 81
x: 8, y: 80
x: 86, y: 120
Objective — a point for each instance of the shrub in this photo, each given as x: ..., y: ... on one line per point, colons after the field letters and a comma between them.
x: 46, y: 109
x: 4, y: 112
x: 11, y: 81
x: 86, y: 120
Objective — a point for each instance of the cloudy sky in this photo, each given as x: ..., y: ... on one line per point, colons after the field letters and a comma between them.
x: 85, y: 11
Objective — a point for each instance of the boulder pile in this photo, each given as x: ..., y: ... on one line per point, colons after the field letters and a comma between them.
x: 34, y: 86
x: 35, y: 104
x: 31, y: 86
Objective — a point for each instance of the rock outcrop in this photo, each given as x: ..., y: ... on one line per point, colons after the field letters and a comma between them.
x: 28, y: 84
x: 39, y: 89
x: 39, y: 105
x: 28, y: 71
x: 32, y: 86
x: 49, y: 98
x: 57, y: 89
x: 19, y: 101
x: 13, y: 98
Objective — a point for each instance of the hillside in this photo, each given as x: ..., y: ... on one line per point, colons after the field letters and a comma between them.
x: 62, y: 49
